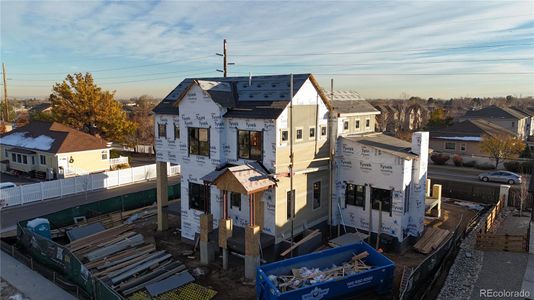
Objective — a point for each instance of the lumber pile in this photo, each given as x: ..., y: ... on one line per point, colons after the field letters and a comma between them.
x: 431, y: 240
x: 121, y: 258
x: 304, y: 276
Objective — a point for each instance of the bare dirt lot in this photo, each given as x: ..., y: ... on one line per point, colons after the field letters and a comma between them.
x: 230, y: 284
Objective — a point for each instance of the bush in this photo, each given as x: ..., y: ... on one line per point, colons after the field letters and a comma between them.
x: 439, y: 159
x: 485, y: 167
x: 114, y: 153
x: 519, y: 167
x: 512, y: 166
x: 457, y: 160
x: 526, y: 167
x: 470, y: 164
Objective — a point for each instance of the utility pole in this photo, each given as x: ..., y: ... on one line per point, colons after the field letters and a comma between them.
x: 225, y: 59
x: 5, y: 112
x: 291, y: 161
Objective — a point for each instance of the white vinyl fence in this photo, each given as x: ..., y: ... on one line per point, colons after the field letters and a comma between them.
x: 58, y: 188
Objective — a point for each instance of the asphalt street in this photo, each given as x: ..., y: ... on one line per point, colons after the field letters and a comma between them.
x: 11, y: 215
x: 463, y: 175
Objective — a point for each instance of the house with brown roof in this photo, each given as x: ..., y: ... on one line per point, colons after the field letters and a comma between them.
x: 53, y: 150
x: 464, y: 138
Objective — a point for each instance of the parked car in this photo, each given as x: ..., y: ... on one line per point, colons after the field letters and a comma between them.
x: 6, y: 185
x: 500, y: 176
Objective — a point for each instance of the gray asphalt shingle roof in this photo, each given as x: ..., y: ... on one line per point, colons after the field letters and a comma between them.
x: 495, y: 112
x: 243, y: 96
x: 473, y: 128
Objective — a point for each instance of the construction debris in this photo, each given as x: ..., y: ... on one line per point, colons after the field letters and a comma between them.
x: 432, y: 238
x: 124, y: 260
x: 301, y: 277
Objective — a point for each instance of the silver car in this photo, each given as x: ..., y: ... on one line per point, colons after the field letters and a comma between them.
x: 500, y: 176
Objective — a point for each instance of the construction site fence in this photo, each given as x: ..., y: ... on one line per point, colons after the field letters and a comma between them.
x: 57, y: 189
x: 116, y: 204
x: 480, y: 193
x: 489, y: 222
x: 430, y: 269
x: 58, y: 264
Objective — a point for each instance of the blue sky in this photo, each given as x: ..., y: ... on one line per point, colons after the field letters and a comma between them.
x: 379, y: 48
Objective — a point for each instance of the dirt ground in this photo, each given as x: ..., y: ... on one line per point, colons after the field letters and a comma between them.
x: 451, y: 215
x: 230, y: 284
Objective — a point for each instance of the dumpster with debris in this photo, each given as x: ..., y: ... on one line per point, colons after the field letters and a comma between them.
x: 326, y: 274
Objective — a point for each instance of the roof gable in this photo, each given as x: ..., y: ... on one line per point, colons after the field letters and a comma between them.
x: 472, y: 128
x: 51, y: 137
x: 496, y: 112
x: 252, y: 97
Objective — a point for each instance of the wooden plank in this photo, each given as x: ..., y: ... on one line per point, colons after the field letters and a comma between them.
x: 119, y: 255
x: 304, y: 239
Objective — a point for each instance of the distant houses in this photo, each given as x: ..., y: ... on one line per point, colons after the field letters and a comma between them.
x: 52, y: 150
x: 464, y: 137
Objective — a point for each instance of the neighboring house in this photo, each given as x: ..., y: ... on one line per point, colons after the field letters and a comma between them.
x: 530, y: 115
x: 233, y: 137
x: 45, y: 107
x: 507, y: 118
x: 52, y: 150
x: 464, y: 138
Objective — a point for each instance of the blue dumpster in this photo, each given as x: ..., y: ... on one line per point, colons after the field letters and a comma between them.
x: 379, y: 278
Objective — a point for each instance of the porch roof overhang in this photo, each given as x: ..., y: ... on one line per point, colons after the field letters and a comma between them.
x: 248, y: 178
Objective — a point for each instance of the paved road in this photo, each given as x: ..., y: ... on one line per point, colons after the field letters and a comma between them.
x: 464, y: 175
x: 11, y: 215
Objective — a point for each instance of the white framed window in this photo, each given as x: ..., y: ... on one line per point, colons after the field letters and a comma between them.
x: 324, y: 131
x: 299, y: 134
x: 367, y: 123
x: 284, y: 135
x: 42, y: 159
x: 450, y: 146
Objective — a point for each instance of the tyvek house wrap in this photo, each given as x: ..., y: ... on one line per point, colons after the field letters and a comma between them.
x: 364, y: 165
x: 198, y: 110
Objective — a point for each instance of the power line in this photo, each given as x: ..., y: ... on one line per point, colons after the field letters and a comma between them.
x: 429, y: 24
x: 387, y: 63
x: 122, y: 82
x: 381, y: 51
x: 116, y: 77
x: 119, y: 68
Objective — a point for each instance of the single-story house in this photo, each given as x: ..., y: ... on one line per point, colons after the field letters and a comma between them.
x: 53, y: 150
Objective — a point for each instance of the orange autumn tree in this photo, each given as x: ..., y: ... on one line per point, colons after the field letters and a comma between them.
x: 501, y: 147
x: 79, y: 103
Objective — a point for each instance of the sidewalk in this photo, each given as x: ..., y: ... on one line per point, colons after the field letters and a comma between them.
x: 28, y: 282
x: 506, y: 271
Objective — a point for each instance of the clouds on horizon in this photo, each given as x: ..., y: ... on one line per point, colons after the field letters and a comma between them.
x: 61, y: 37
